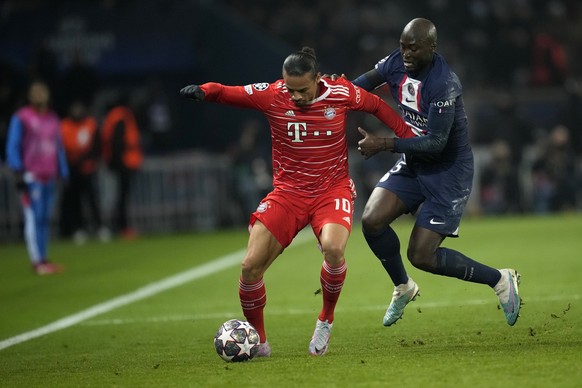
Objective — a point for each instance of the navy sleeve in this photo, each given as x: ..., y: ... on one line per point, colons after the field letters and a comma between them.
x: 369, y: 80
x: 440, y: 121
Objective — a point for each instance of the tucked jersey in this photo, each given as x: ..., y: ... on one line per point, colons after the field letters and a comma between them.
x: 434, y: 91
x: 309, y: 145
x: 34, y: 144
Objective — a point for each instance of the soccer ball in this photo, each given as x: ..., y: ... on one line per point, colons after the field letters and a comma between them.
x: 236, y: 341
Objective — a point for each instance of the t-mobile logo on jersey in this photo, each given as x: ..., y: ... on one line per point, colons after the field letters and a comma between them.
x: 299, y: 130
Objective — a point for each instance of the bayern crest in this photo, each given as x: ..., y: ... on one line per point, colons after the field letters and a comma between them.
x: 263, y: 206
x: 329, y: 112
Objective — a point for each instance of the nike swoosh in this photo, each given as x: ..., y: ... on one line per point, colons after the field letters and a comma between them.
x: 433, y: 222
x: 409, y: 100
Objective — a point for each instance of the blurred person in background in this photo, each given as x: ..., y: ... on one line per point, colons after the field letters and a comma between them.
x: 250, y: 167
x: 81, y: 142
x: 311, y: 181
x: 34, y: 151
x: 571, y: 114
x: 433, y: 179
x: 499, y: 182
x: 549, y: 62
x: 122, y: 153
x: 511, y: 126
x: 554, y: 173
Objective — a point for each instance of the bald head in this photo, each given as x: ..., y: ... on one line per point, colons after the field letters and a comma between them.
x: 418, y: 44
x: 422, y: 30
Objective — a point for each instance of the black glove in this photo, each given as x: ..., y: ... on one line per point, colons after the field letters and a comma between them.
x: 193, y: 92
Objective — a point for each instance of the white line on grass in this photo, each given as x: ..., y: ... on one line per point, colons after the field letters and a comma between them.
x: 151, y: 289
x: 339, y: 309
x: 139, y: 294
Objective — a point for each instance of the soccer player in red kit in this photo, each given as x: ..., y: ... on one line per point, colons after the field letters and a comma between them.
x: 307, y: 116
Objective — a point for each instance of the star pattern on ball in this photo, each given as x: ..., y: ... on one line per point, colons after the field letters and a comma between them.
x: 225, y: 336
x: 245, y: 347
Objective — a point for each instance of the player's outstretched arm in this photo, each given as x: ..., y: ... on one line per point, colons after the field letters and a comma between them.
x: 255, y: 96
x: 193, y: 92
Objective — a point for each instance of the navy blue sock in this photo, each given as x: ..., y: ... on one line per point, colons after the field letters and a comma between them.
x: 386, y: 247
x: 454, y: 264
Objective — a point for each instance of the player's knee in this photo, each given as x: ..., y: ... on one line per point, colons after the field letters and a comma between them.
x: 421, y: 258
x: 250, y: 271
x: 372, y: 222
x: 333, y: 254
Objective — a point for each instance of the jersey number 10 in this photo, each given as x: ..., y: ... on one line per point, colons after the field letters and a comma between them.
x: 343, y: 204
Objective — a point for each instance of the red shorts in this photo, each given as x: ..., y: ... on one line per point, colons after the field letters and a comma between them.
x: 285, y: 214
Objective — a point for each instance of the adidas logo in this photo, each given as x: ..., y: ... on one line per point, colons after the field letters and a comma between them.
x: 347, y: 219
x: 290, y: 113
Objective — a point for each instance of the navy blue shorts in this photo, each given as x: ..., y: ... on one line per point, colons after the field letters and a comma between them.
x: 442, y: 189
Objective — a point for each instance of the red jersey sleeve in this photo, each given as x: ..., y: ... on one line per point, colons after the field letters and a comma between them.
x: 257, y: 96
x: 373, y: 104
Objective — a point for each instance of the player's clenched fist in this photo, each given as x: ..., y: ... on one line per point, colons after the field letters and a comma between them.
x: 193, y: 92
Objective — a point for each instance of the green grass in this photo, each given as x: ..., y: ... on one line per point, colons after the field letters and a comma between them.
x: 453, y: 335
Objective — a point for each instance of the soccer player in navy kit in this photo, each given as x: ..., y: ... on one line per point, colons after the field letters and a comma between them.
x: 435, y: 171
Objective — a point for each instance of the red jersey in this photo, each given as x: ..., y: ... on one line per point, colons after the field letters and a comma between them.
x: 79, y: 139
x: 131, y: 153
x: 309, y: 144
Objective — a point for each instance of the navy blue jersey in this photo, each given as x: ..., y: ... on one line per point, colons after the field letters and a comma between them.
x: 436, y: 169
x: 434, y: 92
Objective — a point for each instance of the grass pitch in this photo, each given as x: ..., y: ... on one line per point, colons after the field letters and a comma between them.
x: 144, y: 313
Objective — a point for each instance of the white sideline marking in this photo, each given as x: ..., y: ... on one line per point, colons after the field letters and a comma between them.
x: 141, y: 293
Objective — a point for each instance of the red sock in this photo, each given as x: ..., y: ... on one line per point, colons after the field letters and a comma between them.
x: 332, y: 281
x: 253, y: 298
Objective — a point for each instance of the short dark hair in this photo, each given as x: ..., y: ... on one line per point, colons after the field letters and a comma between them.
x: 301, y: 62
